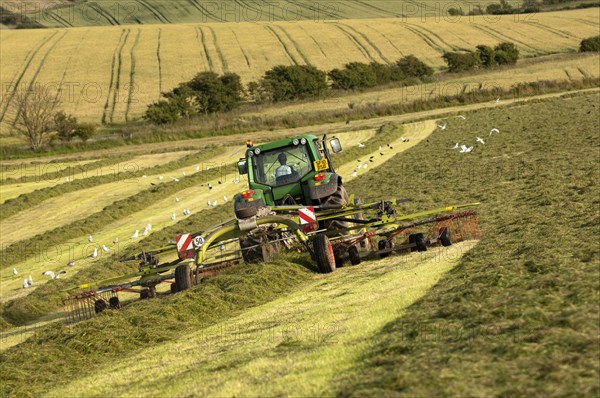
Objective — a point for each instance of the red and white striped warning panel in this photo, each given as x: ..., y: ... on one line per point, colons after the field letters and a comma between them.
x: 185, y: 246
x: 307, y: 215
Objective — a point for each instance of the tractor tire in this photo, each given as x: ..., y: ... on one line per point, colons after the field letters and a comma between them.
x: 445, y: 239
x: 99, y: 306
x: 258, y: 249
x: 419, y: 242
x: 324, y: 254
x: 246, y: 212
x: 339, y: 261
x: 354, y: 255
x: 383, y: 245
x: 114, y: 303
x: 183, y: 277
x: 173, y: 288
x: 337, y: 200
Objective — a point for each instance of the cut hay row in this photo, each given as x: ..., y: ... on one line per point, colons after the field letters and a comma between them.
x: 100, y: 71
x: 192, y: 196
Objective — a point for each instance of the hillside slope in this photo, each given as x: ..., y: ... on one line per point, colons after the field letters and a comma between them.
x: 515, y: 315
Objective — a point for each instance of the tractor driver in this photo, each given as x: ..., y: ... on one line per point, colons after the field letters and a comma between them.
x: 284, y: 169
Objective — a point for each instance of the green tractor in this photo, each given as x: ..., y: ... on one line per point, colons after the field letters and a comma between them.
x: 290, y: 172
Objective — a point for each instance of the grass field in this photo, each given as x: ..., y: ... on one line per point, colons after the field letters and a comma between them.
x: 107, y: 12
x: 111, y: 74
x: 515, y: 315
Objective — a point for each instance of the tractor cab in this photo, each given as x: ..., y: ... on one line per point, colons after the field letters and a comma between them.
x: 286, y: 172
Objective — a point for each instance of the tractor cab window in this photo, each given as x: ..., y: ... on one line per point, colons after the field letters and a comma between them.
x: 281, y: 166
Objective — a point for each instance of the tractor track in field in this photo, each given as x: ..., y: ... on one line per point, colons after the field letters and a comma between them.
x: 201, y: 37
x: 160, y: 83
x: 203, y: 10
x: 113, y: 86
x: 386, y: 38
x: 37, y: 72
x: 429, y: 32
x: 28, y: 60
x: 154, y: 11
x: 385, y: 13
x: 104, y: 14
x: 368, y: 41
x: 241, y: 48
x: 557, y: 32
x: 286, y: 50
x: 314, y: 40
x: 224, y: 65
x: 354, y: 40
x: 131, y: 90
x: 296, y: 45
x: 423, y: 37
x: 58, y: 18
x: 504, y: 38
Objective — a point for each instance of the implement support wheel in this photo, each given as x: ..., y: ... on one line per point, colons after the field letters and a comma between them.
x: 354, y: 256
x: 183, y: 277
x: 324, y: 254
x: 99, y: 306
x: 445, y: 239
x: 419, y: 242
x: 384, y: 244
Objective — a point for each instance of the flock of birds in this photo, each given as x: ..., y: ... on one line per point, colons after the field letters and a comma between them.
x: 365, y: 165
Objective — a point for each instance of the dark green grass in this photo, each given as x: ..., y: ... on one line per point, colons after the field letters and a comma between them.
x: 60, y: 353
x: 519, y: 315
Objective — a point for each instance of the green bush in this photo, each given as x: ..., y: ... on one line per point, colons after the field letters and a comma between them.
x: 486, y: 56
x: 85, y: 131
x: 355, y: 75
x: 461, y: 61
x: 590, y: 44
x: 506, y: 53
x: 411, y: 66
x: 285, y: 83
x: 65, y: 126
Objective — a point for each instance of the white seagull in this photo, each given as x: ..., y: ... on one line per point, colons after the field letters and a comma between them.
x: 160, y: 177
x: 95, y: 253
x: 464, y: 149
x: 52, y: 275
x: 197, y: 168
x: 90, y: 238
x: 177, y: 200
x: 25, y: 284
x: 71, y: 263
x: 214, y: 204
x: 225, y: 199
x: 104, y: 248
x: 480, y: 140
x: 361, y: 145
x: 461, y: 117
x: 135, y: 234
x: 173, y: 216
x: 455, y: 146
x: 15, y: 272
x: 175, y: 179
x: 354, y: 173
x: 183, y: 173
x: 116, y: 240
x: 30, y: 281
x: 442, y: 126
x: 494, y: 130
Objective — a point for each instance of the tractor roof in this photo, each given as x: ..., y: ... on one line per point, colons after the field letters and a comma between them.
x: 284, y: 142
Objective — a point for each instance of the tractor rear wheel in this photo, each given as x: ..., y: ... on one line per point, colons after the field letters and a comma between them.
x: 183, y: 277
x: 354, y: 256
x: 324, y: 254
x: 337, y: 200
x: 445, y: 237
x: 419, y: 242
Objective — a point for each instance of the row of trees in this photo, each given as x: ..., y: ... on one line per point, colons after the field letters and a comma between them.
x: 208, y: 92
x: 590, y: 44
x: 484, y: 57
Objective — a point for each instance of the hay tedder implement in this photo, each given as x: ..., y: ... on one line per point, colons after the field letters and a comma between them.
x: 295, y: 202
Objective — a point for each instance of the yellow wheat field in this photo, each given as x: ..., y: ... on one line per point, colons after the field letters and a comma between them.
x: 111, y: 74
